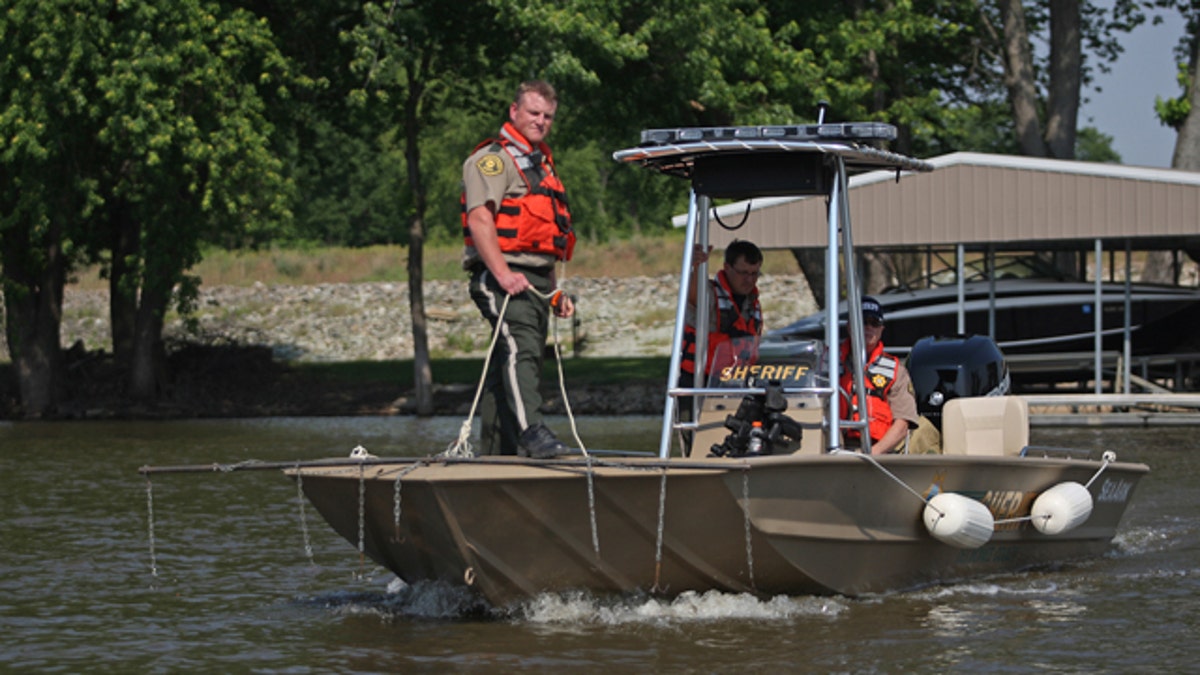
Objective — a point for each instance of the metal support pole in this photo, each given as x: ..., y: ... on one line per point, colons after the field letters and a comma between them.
x: 832, y: 337
x: 991, y: 274
x: 1098, y: 318
x: 668, y: 425
x: 1128, y: 342
x: 703, y: 301
x: 854, y: 322
x: 960, y: 253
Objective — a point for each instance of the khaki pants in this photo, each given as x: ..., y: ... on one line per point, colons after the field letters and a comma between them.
x: 924, y: 440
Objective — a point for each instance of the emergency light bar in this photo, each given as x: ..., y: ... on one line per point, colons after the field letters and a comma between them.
x: 841, y: 131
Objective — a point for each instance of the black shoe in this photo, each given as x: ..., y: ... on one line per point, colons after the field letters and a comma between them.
x: 538, y: 442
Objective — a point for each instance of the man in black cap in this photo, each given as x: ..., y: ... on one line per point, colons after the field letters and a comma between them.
x: 891, y: 405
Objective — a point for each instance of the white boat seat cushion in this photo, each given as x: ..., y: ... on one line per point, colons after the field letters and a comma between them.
x: 985, y: 425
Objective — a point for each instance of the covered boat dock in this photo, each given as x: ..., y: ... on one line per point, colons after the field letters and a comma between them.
x: 983, y: 203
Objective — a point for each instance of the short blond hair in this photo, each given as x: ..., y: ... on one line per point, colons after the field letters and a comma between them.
x: 540, y: 87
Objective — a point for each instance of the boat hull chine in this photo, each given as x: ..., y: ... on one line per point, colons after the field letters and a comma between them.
x: 777, y: 525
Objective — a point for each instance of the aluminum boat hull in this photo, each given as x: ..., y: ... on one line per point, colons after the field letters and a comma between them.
x: 831, y: 524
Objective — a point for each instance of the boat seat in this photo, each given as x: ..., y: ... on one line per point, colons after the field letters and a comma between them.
x: 985, y: 425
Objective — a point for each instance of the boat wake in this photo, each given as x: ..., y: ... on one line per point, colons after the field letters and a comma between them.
x: 1010, y: 587
x: 1142, y: 540
x: 423, y: 601
x: 581, y: 607
x: 444, y: 602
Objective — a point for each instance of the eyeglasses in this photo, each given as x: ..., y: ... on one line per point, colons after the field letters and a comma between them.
x: 748, y: 274
x: 873, y: 322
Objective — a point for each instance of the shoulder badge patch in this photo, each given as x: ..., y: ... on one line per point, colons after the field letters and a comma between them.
x: 490, y: 165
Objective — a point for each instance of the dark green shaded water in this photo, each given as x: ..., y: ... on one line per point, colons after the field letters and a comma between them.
x: 236, y: 590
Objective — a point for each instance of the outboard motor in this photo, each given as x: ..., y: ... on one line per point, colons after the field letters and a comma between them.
x: 943, y: 368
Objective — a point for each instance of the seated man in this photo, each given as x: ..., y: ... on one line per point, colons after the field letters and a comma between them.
x: 890, y: 400
x: 734, y: 311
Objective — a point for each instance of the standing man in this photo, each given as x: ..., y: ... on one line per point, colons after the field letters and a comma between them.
x: 516, y: 225
x: 890, y: 399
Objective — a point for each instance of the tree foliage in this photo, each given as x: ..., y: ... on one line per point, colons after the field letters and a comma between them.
x: 133, y: 134
x: 136, y: 134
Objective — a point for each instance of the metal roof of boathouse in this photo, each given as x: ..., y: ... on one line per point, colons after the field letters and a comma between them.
x: 977, y: 199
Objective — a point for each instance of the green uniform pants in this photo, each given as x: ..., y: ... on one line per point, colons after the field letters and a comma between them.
x: 511, y: 401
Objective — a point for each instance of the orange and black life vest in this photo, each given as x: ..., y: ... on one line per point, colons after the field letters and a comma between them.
x: 539, y: 221
x: 880, y: 375
x: 732, y: 322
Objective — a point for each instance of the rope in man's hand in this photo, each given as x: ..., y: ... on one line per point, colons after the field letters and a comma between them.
x: 563, y: 307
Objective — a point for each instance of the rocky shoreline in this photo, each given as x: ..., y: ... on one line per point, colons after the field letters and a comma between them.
x: 237, y: 359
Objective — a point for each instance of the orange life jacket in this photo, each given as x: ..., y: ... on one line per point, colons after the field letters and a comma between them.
x: 880, y: 375
x: 731, y: 323
x: 540, y: 221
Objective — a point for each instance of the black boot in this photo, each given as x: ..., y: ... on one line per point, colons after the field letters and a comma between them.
x: 538, y: 442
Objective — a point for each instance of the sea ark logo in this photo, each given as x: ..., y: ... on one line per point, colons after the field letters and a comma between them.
x: 1114, y: 491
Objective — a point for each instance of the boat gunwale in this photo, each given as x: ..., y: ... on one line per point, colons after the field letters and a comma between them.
x: 406, y: 467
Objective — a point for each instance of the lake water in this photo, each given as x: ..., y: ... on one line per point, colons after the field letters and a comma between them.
x: 230, y: 585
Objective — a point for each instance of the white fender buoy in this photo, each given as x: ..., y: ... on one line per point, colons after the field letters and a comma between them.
x: 1062, y: 508
x: 959, y: 521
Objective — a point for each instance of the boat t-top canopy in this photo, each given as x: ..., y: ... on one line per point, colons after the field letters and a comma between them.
x: 754, y: 161
x: 769, y: 161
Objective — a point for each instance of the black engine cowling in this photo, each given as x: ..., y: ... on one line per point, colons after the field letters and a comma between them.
x: 943, y: 368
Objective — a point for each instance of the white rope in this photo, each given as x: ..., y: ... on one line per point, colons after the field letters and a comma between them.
x: 1106, y: 459
x: 562, y: 388
x: 873, y: 462
x: 308, y: 550
x: 461, y: 447
x: 562, y: 383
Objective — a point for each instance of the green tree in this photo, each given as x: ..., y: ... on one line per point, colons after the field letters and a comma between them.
x: 1091, y: 145
x: 415, y: 59
x: 47, y: 122
x: 1182, y: 112
x: 134, y: 133
x: 624, y: 65
x: 189, y: 157
x: 336, y: 152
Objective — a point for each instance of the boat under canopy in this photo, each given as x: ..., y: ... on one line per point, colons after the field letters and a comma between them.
x: 1027, y: 309
x: 765, y: 498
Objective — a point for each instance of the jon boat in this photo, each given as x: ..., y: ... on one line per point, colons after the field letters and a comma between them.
x: 779, y: 509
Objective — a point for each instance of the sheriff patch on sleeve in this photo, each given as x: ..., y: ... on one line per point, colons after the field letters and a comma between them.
x: 490, y: 165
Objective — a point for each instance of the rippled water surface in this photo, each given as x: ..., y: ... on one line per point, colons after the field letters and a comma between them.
x: 230, y: 586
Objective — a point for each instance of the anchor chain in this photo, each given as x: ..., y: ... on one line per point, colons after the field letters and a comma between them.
x: 658, y: 540
x: 591, y: 488
x: 150, y: 524
x: 362, y: 517
x: 746, y: 523
x: 396, y: 498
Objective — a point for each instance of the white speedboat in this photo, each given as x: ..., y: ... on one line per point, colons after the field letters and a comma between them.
x: 766, y: 500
